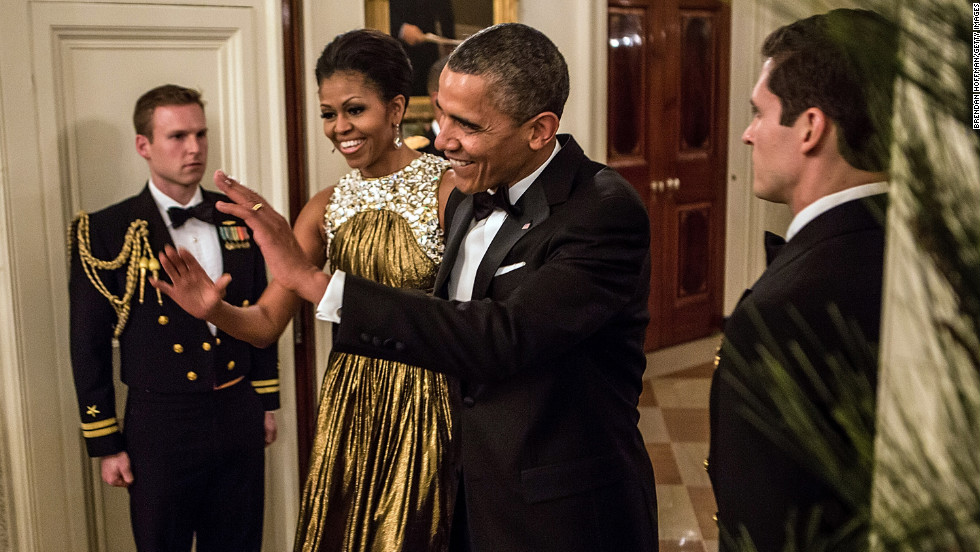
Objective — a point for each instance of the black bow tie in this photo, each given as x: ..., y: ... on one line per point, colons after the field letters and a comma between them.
x: 202, y: 211
x: 484, y: 203
x: 774, y: 244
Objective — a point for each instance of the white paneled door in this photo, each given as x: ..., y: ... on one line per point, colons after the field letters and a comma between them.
x: 70, y: 73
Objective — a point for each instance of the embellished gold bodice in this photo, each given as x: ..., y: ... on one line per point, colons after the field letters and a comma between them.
x: 411, y: 193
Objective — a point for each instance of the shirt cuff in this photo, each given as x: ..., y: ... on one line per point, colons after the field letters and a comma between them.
x: 329, y: 307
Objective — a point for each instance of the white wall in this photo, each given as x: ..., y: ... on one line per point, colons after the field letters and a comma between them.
x: 747, y: 216
x: 578, y: 28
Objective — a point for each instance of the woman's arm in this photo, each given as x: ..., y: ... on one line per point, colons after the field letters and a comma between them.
x: 260, y: 324
x: 446, y: 185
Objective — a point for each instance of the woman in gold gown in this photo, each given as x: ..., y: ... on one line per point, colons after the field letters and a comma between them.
x: 381, y: 473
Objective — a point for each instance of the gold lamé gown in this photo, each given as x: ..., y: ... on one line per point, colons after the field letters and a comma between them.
x: 381, y: 472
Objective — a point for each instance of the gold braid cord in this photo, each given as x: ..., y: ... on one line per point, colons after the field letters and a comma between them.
x: 136, y: 256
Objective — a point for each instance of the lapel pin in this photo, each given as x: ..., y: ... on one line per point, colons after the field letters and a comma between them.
x: 526, y: 226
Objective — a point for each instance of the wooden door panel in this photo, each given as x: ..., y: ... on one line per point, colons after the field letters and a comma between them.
x: 668, y: 113
x: 628, y: 144
x: 695, y: 204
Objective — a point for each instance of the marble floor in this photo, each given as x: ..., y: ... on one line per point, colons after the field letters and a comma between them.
x: 674, y: 423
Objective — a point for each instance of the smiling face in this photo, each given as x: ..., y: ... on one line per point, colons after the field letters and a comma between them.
x: 178, y: 152
x: 360, y: 123
x: 485, y: 147
x: 776, y: 152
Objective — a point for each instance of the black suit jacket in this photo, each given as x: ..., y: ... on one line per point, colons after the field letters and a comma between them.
x: 162, y: 348
x: 835, y: 259
x: 550, y: 359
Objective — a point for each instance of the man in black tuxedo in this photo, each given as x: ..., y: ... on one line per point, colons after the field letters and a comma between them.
x: 199, y: 405
x: 820, y: 137
x: 539, y: 310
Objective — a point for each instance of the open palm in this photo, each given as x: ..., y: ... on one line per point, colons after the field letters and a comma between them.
x: 191, y: 287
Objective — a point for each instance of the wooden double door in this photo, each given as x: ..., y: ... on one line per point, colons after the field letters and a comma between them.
x: 667, y: 135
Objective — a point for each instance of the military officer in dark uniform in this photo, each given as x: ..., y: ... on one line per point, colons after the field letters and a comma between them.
x: 199, y: 406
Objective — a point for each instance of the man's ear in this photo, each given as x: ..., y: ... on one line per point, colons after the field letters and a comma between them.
x: 143, y: 146
x: 542, y: 129
x: 814, y: 127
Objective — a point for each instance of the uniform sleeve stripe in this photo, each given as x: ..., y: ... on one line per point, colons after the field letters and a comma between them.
x: 267, y: 389
x: 264, y: 383
x: 100, y: 432
x: 99, y: 424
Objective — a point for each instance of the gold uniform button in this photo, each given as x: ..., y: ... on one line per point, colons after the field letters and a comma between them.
x: 192, y: 376
x: 245, y: 303
x: 217, y: 341
x: 231, y: 364
x: 705, y: 464
x: 178, y: 348
x: 715, y: 517
x: 163, y: 320
x: 206, y: 346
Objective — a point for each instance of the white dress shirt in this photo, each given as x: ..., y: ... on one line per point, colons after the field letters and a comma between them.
x: 196, y: 236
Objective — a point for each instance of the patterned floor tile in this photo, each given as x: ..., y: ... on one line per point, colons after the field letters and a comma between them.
x: 674, y: 423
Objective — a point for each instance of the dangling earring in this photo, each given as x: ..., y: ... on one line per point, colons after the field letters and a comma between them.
x: 398, y: 135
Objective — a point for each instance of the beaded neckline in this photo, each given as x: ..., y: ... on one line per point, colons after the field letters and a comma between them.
x: 412, y: 192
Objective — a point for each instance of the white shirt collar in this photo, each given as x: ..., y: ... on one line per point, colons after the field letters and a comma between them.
x: 828, y: 202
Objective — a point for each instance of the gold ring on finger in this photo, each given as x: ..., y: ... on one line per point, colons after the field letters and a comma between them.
x: 256, y: 207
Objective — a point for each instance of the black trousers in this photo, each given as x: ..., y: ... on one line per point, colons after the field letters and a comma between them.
x: 198, y: 465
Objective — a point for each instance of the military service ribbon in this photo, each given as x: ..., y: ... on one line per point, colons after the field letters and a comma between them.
x: 234, y: 236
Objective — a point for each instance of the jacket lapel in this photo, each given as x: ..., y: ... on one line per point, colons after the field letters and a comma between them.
x: 553, y: 186
x: 228, y: 237
x: 534, y: 211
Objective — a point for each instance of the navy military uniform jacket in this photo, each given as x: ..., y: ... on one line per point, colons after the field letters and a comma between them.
x: 162, y: 348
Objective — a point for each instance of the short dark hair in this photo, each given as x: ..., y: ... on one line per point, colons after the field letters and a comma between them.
x: 168, y: 94
x: 379, y: 57
x: 432, y: 83
x: 525, y: 73
x: 844, y: 63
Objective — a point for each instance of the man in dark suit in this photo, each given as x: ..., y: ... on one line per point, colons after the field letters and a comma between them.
x: 539, y: 310
x: 820, y: 137
x: 200, y: 402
